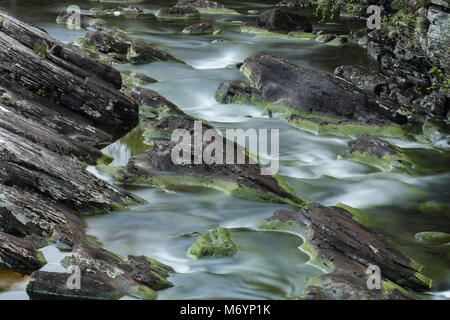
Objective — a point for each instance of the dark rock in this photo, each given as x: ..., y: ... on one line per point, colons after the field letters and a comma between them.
x: 372, y: 145
x: 155, y: 167
x: 179, y: 13
x: 437, y: 102
x: 345, y: 249
x: 362, y: 77
x: 19, y: 254
x: 277, y: 20
x: 199, y: 28
x: 122, y: 48
x: 315, y: 101
x: 295, y: 3
x: 200, y: 4
x: 229, y: 92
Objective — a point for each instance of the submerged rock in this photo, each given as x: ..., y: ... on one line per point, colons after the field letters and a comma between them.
x: 297, y: 95
x: 344, y: 250
x: 295, y: 3
x: 337, y: 42
x: 278, y: 21
x: 200, y: 28
x: 433, y: 237
x: 213, y: 244
x: 206, y: 6
x: 187, y: 13
x: 325, y: 37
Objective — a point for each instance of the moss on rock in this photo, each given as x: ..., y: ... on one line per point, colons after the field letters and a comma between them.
x: 214, y: 244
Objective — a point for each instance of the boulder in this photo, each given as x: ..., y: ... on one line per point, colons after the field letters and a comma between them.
x: 205, y: 6
x: 311, y: 100
x: 433, y: 237
x: 278, y: 21
x: 187, y: 13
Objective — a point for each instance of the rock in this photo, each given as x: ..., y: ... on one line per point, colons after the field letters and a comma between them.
x: 136, y: 80
x: 121, y: 48
x: 199, y: 28
x: 302, y: 35
x: 326, y: 37
x: 277, y: 21
x: 363, y: 41
x: 296, y: 94
x: 213, y: 244
x: 437, y: 102
x: 337, y: 42
x: 433, y: 237
x: 49, y: 68
x: 104, y: 275
x: 156, y: 168
x: 58, y: 107
x: 295, y: 3
x: 362, y: 77
x: 187, y: 13
x: 132, y: 11
x: 229, y: 92
x: 344, y: 250
x: 20, y: 255
x: 206, y: 6
x: 378, y: 153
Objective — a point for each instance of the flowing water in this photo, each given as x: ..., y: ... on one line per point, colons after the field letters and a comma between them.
x: 268, y: 264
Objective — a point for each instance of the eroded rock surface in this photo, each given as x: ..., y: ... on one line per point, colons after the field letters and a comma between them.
x: 344, y: 250
x: 276, y: 20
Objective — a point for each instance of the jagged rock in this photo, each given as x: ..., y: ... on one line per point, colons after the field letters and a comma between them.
x: 187, y: 13
x: 437, y: 102
x: 156, y: 168
x: 278, y: 21
x: 19, y: 254
x: 362, y: 77
x: 121, y: 48
x: 378, y: 153
x: 199, y: 28
x: 205, y: 6
x: 52, y: 69
x: 213, y: 244
x: 136, y: 80
x: 297, y: 95
x: 344, y: 249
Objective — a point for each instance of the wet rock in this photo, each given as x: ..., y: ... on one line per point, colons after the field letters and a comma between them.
x: 187, y: 13
x: 229, y: 92
x: 120, y: 10
x: 19, y: 254
x: 213, y: 244
x: 378, y: 153
x: 338, y: 41
x: 200, y: 28
x: 104, y: 275
x: 58, y: 107
x: 362, y: 77
x: 156, y: 167
x: 297, y: 95
x: 278, y: 21
x: 121, y: 48
x: 206, y: 6
x: 325, y: 37
x: 433, y: 237
x: 363, y: 41
x: 437, y: 102
x: 135, y: 80
x: 295, y: 3
x: 344, y: 250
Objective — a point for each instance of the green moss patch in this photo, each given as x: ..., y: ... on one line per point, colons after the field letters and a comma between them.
x: 213, y: 244
x: 357, y: 214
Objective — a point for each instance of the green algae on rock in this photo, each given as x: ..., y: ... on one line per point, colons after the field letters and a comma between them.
x: 206, y: 6
x: 213, y: 244
x: 329, y: 235
x: 431, y: 237
x: 285, y: 90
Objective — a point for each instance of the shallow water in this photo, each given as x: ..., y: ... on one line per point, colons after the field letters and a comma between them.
x: 268, y: 265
